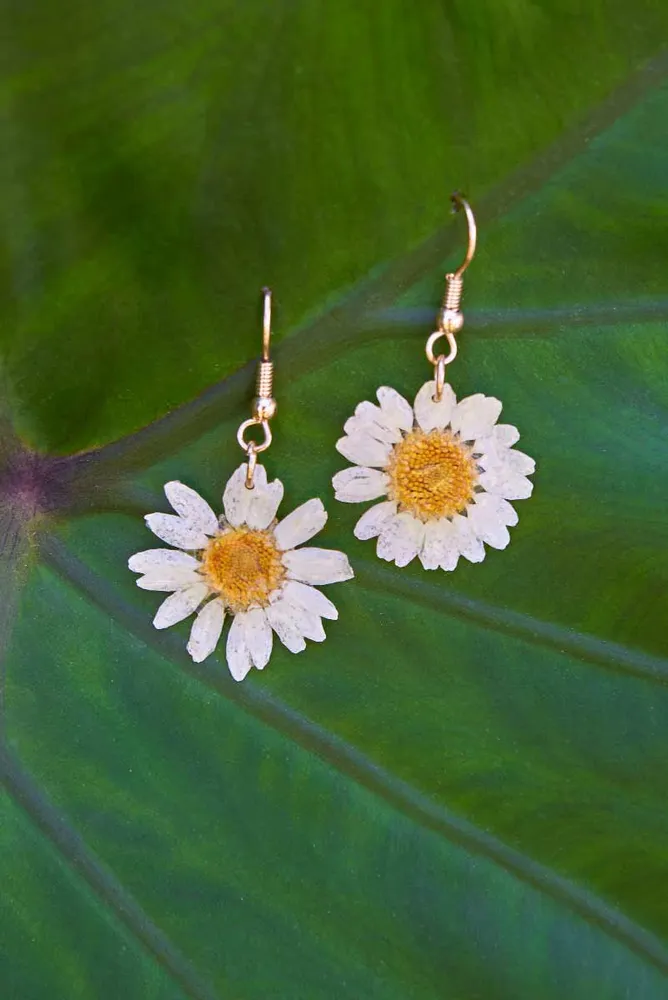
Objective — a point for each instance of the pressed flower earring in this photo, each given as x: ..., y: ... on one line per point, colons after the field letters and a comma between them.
x: 244, y: 564
x: 447, y: 469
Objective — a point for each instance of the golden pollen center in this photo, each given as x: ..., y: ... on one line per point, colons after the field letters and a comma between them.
x: 432, y: 474
x: 244, y: 566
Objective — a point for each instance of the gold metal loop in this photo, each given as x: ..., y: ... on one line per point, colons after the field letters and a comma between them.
x: 440, y: 377
x: 252, y: 462
x: 256, y: 446
x: 459, y: 202
x: 429, y: 350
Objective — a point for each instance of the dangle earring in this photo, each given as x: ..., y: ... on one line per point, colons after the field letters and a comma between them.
x: 245, y: 564
x: 447, y: 470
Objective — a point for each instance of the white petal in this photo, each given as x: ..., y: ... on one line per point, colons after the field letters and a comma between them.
x: 440, y: 547
x: 205, y: 633
x: 303, y: 523
x: 306, y: 623
x: 191, y: 507
x: 179, y: 605
x: 236, y: 497
x: 506, y: 434
x: 468, y: 542
x: 401, y: 539
x: 475, y: 416
x: 504, y: 483
x: 356, y: 484
x: 317, y: 566
x: 309, y: 598
x: 281, y: 620
x: 175, y: 531
x: 174, y: 578
x: 496, y: 444
x: 501, y: 509
x: 152, y: 560
x: 396, y: 409
x: 257, y: 636
x: 362, y: 449
x: 372, y: 521
x: 430, y: 414
x: 237, y: 653
x: 299, y: 620
x: 263, y: 504
x: 488, y: 526
x: 520, y: 463
x: 370, y: 419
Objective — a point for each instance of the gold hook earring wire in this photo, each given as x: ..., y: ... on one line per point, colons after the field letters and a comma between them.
x: 458, y: 203
x: 264, y: 404
x: 450, y: 319
x: 266, y: 323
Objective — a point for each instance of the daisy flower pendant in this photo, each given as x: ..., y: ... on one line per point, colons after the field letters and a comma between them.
x: 445, y: 471
x: 245, y: 565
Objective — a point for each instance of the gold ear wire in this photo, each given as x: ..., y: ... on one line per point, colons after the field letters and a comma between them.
x: 450, y: 318
x: 264, y: 404
x: 459, y: 202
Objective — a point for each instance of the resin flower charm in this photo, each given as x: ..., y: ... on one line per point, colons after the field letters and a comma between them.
x: 247, y: 565
x: 447, y: 469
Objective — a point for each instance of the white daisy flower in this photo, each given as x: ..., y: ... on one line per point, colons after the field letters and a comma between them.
x: 245, y: 564
x: 445, y: 470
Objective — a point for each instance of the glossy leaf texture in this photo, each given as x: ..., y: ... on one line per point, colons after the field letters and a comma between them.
x: 461, y: 793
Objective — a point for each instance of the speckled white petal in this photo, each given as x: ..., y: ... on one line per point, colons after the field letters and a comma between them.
x: 356, y: 484
x: 440, y: 548
x: 154, y: 560
x: 263, y: 504
x: 309, y: 598
x: 303, y: 523
x: 488, y: 526
x: 503, y: 511
x: 236, y: 497
x: 504, y: 483
x: 171, y: 578
x: 370, y: 419
x: 306, y: 623
x: 432, y: 415
x: 317, y: 566
x: 506, y: 435
x: 237, y: 653
x: 179, y: 605
x: 191, y: 507
x: 281, y: 620
x: 373, y: 520
x: 175, y: 531
x: 401, y: 539
x: 450, y: 550
x: 519, y: 463
x: 258, y: 636
x: 362, y: 449
x: 475, y: 416
x: 468, y: 542
x: 205, y: 633
x: 397, y: 410
x: 495, y: 445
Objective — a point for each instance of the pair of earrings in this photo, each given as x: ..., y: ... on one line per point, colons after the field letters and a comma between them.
x: 444, y: 472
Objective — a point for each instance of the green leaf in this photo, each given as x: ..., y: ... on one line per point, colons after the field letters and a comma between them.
x: 461, y: 793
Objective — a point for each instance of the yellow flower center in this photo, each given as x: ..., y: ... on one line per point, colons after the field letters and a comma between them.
x: 243, y: 566
x: 432, y: 475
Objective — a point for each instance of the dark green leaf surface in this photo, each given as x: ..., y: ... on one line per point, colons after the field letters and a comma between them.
x: 461, y: 794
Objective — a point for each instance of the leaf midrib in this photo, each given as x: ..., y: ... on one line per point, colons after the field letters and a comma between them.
x: 71, y: 846
x: 353, y: 764
x: 360, y: 311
